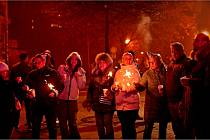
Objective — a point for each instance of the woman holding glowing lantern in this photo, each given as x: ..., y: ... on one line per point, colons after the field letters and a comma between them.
x: 127, y: 99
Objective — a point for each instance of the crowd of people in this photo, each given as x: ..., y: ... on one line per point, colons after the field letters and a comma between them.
x: 177, y: 92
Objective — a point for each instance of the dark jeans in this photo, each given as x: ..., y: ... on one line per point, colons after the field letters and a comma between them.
x: 17, y: 114
x: 50, y: 116
x: 28, y: 111
x: 181, y: 131
x: 148, y: 130
x: 104, y: 125
x: 67, y: 116
x: 127, y: 119
x: 6, y: 124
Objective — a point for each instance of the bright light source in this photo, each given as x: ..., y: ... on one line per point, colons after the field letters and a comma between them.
x: 205, y: 32
x: 127, y: 41
x: 141, y: 52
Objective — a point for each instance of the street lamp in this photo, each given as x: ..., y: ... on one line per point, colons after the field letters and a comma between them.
x: 127, y: 41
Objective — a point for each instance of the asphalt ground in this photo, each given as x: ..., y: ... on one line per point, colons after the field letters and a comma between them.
x: 86, y: 125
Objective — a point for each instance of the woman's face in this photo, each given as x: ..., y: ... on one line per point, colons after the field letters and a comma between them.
x: 102, y: 65
x: 175, y: 54
x: 74, y: 61
x: 153, y: 63
x: 127, y: 60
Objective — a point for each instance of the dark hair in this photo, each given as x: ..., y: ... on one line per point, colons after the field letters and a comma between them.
x: 132, y: 52
x: 79, y: 61
x: 39, y: 56
x: 23, y: 56
x: 177, y: 46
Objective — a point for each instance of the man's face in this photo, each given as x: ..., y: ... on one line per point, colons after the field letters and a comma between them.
x: 39, y: 63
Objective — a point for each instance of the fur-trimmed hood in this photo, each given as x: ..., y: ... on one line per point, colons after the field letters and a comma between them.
x: 75, y: 54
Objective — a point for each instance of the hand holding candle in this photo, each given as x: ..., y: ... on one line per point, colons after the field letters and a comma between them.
x: 54, y: 91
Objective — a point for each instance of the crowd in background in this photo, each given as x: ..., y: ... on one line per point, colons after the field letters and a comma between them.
x: 177, y: 92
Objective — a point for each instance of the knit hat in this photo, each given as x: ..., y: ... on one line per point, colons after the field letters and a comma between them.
x: 3, y: 66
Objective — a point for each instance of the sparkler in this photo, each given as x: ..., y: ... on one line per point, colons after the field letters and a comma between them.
x: 109, y: 74
x: 52, y: 88
x: 127, y: 74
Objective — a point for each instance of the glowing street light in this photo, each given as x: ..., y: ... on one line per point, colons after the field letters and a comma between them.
x: 127, y: 41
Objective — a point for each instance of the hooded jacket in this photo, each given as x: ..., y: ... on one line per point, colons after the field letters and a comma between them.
x: 72, y: 83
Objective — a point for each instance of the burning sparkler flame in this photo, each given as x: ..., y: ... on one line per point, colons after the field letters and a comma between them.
x: 110, y: 74
x: 127, y: 73
x: 51, y: 86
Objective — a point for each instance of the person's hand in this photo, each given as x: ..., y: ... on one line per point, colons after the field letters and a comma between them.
x: 25, y: 88
x: 18, y: 79
x: 139, y: 87
x: 52, y: 94
x: 77, y: 74
x: 116, y: 87
x: 184, y: 81
x: 31, y: 94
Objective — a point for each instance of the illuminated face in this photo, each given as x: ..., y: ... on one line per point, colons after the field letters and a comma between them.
x: 153, y: 63
x: 102, y: 65
x: 39, y: 63
x: 127, y: 59
x: 4, y: 75
x: 74, y: 61
x: 175, y: 54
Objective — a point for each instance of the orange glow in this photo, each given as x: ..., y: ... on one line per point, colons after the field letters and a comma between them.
x: 127, y: 41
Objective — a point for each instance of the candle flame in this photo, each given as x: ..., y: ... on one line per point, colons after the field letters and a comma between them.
x: 51, y: 86
x: 128, y: 84
x: 110, y: 74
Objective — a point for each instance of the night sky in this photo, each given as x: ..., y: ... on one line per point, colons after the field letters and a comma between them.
x: 63, y: 27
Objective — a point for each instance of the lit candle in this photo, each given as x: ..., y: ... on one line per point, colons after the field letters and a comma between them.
x: 110, y: 74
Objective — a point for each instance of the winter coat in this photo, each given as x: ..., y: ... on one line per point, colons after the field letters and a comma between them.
x: 176, y: 70
x: 39, y: 79
x: 99, y: 81
x: 72, y: 83
x: 155, y: 108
